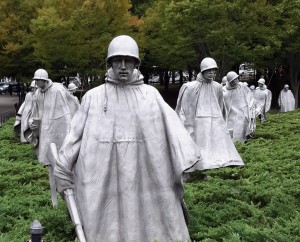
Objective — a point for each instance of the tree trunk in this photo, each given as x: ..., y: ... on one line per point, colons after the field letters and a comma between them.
x: 294, y: 74
x: 295, y: 90
x: 173, y: 77
x: 181, y: 78
x: 166, y: 80
x: 161, y: 78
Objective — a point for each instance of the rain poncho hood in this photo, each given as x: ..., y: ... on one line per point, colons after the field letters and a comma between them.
x: 136, y: 78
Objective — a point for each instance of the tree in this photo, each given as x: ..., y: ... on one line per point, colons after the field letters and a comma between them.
x: 139, y: 7
x: 229, y: 31
x: 166, y: 47
x: 289, y: 27
x: 77, y: 41
x: 16, y: 50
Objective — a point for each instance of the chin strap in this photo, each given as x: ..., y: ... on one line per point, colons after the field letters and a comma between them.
x: 105, y: 91
x: 105, y: 97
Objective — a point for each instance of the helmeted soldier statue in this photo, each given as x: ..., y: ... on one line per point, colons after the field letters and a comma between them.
x: 200, y: 107
x: 224, y: 81
x: 252, y: 88
x: 255, y: 112
x: 21, y: 124
x: 50, y: 120
x: 264, y: 97
x: 72, y: 88
x: 124, y: 157
x: 286, y: 99
x: 238, y: 101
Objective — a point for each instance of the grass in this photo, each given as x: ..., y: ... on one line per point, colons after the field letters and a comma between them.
x: 259, y: 202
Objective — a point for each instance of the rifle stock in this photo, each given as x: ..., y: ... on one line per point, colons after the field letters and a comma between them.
x: 73, y: 210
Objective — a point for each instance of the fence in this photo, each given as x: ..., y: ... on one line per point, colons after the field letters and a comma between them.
x: 6, y: 116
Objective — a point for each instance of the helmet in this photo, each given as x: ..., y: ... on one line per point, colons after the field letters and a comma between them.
x: 261, y: 81
x: 232, y: 75
x: 41, y: 74
x: 286, y: 86
x: 252, y: 87
x: 224, y: 79
x: 33, y: 84
x: 72, y: 87
x: 208, y: 63
x: 123, y: 45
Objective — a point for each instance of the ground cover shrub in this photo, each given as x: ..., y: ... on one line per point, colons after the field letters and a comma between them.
x: 25, y: 195
x: 258, y: 202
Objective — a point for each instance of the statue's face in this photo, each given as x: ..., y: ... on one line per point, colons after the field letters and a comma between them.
x: 123, y: 67
x: 260, y: 85
x: 210, y: 74
x: 234, y: 82
x: 41, y: 83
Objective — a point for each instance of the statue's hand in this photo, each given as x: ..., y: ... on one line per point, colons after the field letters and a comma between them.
x: 63, y: 184
x: 34, y: 124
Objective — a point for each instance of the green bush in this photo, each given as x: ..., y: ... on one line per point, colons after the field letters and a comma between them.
x: 24, y: 194
x: 259, y: 202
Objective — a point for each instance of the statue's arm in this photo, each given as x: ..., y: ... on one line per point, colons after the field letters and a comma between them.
x: 69, y: 151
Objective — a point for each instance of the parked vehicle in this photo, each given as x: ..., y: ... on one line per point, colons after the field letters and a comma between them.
x: 3, y: 87
x: 16, y: 87
x: 247, y: 72
x: 154, y: 78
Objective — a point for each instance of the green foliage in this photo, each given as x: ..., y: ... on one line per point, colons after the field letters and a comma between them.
x: 259, y: 202
x: 229, y: 31
x: 165, y: 44
x: 15, y: 38
x: 69, y: 37
x: 73, y: 37
x: 25, y: 195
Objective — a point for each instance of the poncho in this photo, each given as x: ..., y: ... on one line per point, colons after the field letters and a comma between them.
x: 286, y: 101
x: 23, y: 114
x: 125, y: 154
x: 54, y: 106
x: 264, y: 97
x: 238, y: 105
x: 199, y: 106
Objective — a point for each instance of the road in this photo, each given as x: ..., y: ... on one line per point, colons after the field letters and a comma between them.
x: 7, y: 102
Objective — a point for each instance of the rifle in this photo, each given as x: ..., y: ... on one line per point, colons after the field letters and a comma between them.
x: 69, y: 197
